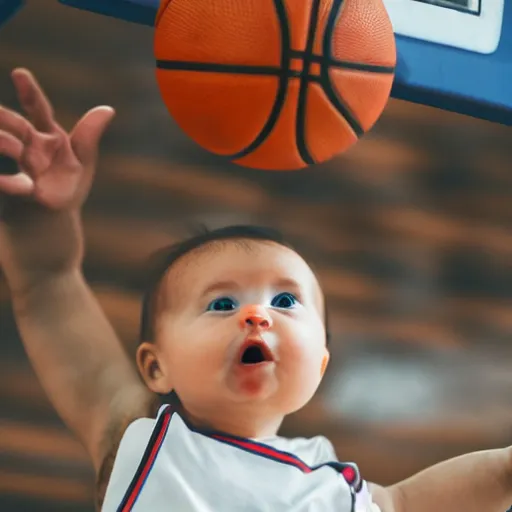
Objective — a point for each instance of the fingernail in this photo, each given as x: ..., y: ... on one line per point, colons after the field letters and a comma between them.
x: 23, y: 179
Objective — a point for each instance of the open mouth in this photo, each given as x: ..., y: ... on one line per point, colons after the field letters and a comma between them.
x: 255, y: 353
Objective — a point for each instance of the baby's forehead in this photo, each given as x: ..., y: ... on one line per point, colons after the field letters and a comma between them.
x: 243, y: 262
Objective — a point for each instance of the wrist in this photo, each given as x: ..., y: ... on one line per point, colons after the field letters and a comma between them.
x: 40, y: 246
x: 37, y: 287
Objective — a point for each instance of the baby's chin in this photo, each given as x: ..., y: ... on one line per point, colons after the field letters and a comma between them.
x: 252, y: 383
x: 270, y: 396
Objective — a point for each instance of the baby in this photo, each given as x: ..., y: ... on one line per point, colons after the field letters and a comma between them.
x: 233, y: 333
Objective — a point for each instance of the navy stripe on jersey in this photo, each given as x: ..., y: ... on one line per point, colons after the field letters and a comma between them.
x: 147, y: 462
x: 348, y: 471
x: 263, y: 450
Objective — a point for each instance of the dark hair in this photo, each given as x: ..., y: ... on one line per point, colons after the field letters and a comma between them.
x: 163, y: 259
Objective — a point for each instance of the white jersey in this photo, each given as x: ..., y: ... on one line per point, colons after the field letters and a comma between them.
x: 168, y: 465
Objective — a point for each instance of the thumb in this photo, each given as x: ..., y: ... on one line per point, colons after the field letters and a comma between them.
x: 87, y: 133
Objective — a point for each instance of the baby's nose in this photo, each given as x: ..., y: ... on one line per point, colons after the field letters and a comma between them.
x: 255, y: 317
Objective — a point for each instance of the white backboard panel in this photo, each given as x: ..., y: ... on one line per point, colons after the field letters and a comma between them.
x: 473, y: 25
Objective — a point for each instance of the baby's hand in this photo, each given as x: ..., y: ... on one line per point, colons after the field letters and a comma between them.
x: 55, y: 168
x: 40, y: 230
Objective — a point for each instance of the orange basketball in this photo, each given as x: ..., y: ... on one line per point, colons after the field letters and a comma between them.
x: 275, y: 84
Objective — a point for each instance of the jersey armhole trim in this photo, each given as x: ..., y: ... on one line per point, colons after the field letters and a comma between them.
x: 148, y: 460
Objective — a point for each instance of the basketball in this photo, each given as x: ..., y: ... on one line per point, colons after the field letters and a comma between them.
x: 275, y: 84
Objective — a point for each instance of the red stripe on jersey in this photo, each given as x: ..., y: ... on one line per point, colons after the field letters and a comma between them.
x: 266, y: 451
x: 149, y: 463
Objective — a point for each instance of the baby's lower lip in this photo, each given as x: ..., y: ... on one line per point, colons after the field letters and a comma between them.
x: 253, y: 366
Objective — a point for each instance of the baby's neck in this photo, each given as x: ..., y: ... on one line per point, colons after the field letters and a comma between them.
x: 235, y: 423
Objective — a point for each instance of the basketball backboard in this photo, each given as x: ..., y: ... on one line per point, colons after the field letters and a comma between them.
x: 8, y: 8
x: 452, y: 54
x: 455, y: 55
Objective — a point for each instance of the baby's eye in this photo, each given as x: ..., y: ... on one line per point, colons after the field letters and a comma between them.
x: 222, y: 304
x: 284, y: 300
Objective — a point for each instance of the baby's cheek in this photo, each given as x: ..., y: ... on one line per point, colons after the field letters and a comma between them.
x: 306, y: 356
x: 196, y: 358
x: 183, y: 358
x: 311, y: 346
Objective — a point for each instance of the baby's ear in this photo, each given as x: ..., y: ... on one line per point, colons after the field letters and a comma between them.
x: 149, y: 367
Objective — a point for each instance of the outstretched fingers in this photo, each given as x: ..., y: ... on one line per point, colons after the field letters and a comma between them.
x: 86, y: 135
x: 34, y: 101
x: 17, y: 185
x: 10, y: 146
x: 11, y: 150
x: 12, y: 122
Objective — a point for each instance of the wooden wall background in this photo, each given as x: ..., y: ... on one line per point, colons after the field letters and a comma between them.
x: 411, y: 231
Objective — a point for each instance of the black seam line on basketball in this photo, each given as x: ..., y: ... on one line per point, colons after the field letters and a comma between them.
x: 177, y: 65
x: 234, y: 69
x: 218, y: 68
x: 282, y: 89
x: 346, y: 64
x: 300, y: 125
x: 329, y: 90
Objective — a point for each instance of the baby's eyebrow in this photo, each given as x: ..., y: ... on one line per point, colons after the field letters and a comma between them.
x: 288, y: 283
x: 219, y: 286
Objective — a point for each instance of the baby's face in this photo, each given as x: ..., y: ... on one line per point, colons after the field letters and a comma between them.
x: 243, y: 324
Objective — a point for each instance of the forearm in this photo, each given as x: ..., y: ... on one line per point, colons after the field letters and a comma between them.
x: 476, y: 482
x: 76, y: 354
